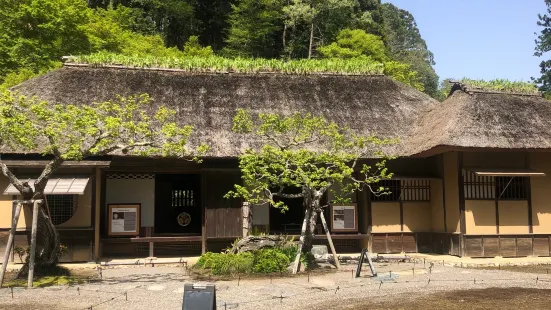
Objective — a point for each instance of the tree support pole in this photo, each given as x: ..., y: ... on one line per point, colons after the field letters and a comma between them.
x: 9, y: 245
x: 36, y: 205
x: 328, y: 233
x: 296, y: 265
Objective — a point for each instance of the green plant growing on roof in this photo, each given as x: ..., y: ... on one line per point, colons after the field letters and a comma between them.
x: 63, y: 132
x: 308, y: 153
x: 501, y: 85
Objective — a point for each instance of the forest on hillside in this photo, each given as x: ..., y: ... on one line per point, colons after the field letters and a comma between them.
x: 36, y: 34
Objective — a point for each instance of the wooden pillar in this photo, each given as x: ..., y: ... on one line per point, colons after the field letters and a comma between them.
x: 203, y: 213
x: 9, y: 245
x: 462, y: 223
x: 97, y: 213
x: 443, y: 175
x: 529, y: 195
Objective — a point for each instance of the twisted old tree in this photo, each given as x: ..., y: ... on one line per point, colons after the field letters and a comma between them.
x: 310, y: 154
x: 75, y: 132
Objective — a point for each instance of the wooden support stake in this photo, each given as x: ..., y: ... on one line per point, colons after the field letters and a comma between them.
x: 296, y: 265
x: 328, y: 233
x: 36, y: 205
x: 9, y: 245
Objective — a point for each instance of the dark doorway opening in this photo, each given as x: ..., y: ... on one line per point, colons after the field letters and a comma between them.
x: 178, y: 204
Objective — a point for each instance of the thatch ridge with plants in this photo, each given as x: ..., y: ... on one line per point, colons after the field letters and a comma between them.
x: 498, y: 85
x: 217, y: 64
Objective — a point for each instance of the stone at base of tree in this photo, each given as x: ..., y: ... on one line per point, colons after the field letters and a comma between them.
x: 255, y: 243
x: 321, y: 254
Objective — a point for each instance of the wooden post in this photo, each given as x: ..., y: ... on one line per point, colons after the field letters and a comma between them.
x: 36, y: 205
x: 247, y: 223
x: 97, y: 213
x: 296, y: 265
x: 9, y: 245
x: 328, y: 233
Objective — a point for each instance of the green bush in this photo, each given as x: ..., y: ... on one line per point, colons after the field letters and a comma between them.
x: 262, y: 261
x: 222, y: 264
x: 270, y: 260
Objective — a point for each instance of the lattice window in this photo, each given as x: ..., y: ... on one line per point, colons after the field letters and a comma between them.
x: 512, y: 188
x: 491, y: 188
x: 183, y: 198
x: 403, y: 190
x: 62, y: 207
x: 131, y: 176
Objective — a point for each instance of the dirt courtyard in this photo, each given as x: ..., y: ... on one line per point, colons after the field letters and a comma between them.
x: 398, y: 286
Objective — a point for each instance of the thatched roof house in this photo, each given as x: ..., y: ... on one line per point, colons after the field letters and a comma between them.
x: 483, y: 119
x: 368, y: 104
x: 476, y: 186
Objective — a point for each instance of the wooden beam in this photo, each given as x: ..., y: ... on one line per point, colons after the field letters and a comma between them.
x: 203, y: 212
x: 443, y: 174
x: 497, y: 216
x: 9, y: 245
x: 462, y: 223
x: 166, y: 239
x: 97, y: 180
x: 401, y: 216
x: 43, y: 163
x: 527, y: 163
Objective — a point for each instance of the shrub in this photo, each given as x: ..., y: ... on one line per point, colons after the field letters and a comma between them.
x: 270, y: 260
x: 222, y: 264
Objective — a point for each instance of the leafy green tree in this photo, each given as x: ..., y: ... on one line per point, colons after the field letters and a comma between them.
x: 311, y: 23
x: 63, y: 132
x: 193, y: 48
x: 255, y: 30
x: 369, y: 17
x: 37, y: 33
x: 173, y: 19
x: 213, y: 18
x: 405, y: 44
x: 306, y: 153
x: 354, y: 43
x: 543, y: 45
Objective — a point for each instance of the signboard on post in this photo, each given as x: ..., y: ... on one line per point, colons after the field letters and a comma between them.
x: 124, y: 219
x: 199, y: 297
x: 344, y: 218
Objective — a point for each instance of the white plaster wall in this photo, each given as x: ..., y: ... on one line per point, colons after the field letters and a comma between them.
x: 134, y: 191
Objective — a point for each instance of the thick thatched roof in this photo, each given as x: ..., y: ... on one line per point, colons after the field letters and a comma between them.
x: 367, y: 104
x: 484, y: 119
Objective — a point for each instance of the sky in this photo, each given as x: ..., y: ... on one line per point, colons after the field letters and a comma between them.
x: 479, y: 39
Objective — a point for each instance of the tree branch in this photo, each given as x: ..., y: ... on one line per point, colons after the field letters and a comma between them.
x: 50, y: 168
x: 12, y: 178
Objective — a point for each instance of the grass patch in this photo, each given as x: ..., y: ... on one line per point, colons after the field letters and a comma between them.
x: 60, y: 276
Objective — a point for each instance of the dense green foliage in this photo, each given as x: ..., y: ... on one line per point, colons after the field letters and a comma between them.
x: 38, y: 33
x: 261, y: 261
x: 405, y: 44
x: 304, y: 157
x: 355, y: 43
x: 75, y: 132
x: 543, y: 45
x: 501, y: 85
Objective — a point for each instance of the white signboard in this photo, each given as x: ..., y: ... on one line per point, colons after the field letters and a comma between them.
x: 124, y: 219
x: 343, y: 218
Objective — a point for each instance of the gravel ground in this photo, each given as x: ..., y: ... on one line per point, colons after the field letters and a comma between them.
x: 162, y: 288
